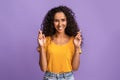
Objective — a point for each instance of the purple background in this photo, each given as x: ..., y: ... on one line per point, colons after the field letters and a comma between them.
x: 99, y: 21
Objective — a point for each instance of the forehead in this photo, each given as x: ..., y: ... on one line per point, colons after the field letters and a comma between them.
x: 59, y: 15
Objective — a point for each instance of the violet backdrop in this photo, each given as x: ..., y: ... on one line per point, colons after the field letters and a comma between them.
x: 99, y: 21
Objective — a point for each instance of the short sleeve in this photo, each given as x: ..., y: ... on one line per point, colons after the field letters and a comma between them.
x: 46, y: 44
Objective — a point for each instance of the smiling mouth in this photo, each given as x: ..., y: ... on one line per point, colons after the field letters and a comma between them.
x: 60, y: 28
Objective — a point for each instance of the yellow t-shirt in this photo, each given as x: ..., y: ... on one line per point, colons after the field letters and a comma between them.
x: 59, y: 57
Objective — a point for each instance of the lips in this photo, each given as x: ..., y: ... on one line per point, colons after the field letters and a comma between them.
x: 60, y: 28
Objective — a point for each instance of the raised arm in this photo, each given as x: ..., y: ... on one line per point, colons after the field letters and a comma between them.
x: 42, y: 51
x: 76, y: 56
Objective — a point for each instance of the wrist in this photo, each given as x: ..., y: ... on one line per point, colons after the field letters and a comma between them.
x: 77, y: 47
x: 41, y: 47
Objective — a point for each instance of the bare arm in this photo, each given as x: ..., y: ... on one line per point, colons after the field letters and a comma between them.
x: 76, y: 60
x: 42, y: 52
x: 76, y: 56
x: 42, y: 59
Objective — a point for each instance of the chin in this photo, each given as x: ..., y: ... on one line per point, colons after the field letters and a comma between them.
x: 60, y: 31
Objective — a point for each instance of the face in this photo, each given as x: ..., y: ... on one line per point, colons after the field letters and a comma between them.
x: 60, y: 22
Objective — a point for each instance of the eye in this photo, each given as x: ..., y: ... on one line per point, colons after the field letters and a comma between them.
x: 63, y: 20
x: 55, y: 20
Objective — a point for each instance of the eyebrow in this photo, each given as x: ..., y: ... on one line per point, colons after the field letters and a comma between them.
x: 61, y: 19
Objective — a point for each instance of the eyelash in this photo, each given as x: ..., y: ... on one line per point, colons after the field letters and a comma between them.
x: 58, y: 20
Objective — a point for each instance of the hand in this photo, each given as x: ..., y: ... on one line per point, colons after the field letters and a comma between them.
x: 41, y: 38
x: 77, y: 40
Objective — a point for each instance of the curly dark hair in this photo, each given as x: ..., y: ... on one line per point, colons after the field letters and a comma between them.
x: 47, y: 25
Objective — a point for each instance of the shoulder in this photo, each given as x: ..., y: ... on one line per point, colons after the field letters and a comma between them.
x: 48, y: 39
x: 72, y: 37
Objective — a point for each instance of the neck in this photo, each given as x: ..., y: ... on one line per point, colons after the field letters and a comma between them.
x: 60, y: 35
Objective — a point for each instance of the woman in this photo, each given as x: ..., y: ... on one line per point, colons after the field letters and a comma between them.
x: 59, y: 43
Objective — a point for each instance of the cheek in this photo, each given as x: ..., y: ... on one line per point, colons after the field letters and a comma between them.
x: 55, y: 23
x: 65, y: 23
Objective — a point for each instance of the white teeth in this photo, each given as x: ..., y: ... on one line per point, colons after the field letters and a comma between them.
x: 60, y: 28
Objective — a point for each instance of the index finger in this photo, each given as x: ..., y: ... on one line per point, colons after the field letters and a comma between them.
x: 79, y: 32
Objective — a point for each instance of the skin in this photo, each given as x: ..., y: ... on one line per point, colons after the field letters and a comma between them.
x: 59, y: 38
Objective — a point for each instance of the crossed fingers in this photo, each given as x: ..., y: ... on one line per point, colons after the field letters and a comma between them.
x: 78, y: 36
x: 41, y: 35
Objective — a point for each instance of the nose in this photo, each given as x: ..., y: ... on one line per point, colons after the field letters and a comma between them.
x: 60, y: 23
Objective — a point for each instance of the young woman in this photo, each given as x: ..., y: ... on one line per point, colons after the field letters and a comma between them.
x: 59, y: 43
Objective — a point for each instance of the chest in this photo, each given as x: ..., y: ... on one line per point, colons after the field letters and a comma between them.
x: 60, y: 51
x: 60, y: 41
